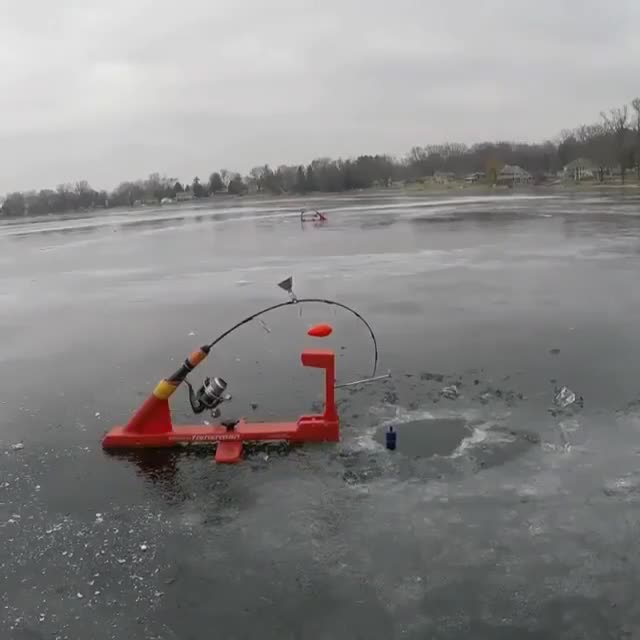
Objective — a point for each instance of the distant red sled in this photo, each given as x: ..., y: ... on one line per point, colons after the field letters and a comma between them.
x: 312, y: 216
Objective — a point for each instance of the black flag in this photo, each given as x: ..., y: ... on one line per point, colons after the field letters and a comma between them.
x: 287, y: 284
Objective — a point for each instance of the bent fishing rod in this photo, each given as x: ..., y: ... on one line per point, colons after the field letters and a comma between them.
x: 212, y: 392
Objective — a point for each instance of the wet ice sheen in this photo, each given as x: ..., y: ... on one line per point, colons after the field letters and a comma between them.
x: 509, y: 540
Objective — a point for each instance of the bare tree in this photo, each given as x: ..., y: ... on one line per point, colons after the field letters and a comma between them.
x: 256, y: 176
x: 616, y: 124
x: 635, y: 104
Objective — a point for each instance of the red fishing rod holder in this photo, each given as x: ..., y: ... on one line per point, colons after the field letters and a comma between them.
x: 151, y: 425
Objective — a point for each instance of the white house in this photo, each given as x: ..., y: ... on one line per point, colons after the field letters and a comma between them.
x: 444, y: 176
x: 513, y: 174
x: 580, y: 169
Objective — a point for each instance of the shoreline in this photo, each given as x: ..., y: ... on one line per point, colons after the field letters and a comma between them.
x: 413, y: 189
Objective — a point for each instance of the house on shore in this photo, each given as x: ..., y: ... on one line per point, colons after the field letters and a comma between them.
x: 580, y: 169
x: 444, y: 176
x: 513, y: 174
x: 477, y: 176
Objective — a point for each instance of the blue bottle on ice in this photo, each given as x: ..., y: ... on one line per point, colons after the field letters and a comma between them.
x: 390, y: 438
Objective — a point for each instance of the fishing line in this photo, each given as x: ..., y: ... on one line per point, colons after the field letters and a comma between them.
x: 299, y: 301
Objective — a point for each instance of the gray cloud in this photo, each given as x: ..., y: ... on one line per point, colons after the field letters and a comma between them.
x: 113, y: 90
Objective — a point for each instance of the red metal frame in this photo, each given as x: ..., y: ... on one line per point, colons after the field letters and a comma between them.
x: 151, y: 425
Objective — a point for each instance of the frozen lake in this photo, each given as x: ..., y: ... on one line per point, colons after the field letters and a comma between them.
x: 504, y: 517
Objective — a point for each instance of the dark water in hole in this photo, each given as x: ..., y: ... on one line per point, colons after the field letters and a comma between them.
x: 529, y: 531
x: 426, y: 438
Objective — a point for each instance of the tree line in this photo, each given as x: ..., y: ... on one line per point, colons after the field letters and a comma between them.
x: 612, y: 145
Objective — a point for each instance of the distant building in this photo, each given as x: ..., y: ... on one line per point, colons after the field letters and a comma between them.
x: 580, y: 169
x: 184, y: 196
x: 513, y: 174
x: 444, y: 176
x: 475, y: 177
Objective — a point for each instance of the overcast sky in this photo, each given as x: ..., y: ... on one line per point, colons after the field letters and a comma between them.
x: 116, y: 89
